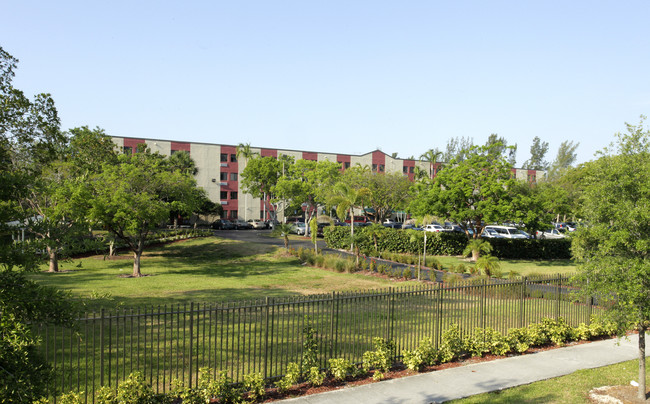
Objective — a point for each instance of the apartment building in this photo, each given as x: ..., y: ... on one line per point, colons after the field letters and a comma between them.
x: 219, y: 171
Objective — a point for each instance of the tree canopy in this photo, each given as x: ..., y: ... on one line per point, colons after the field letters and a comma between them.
x: 136, y: 195
x: 614, y: 249
x: 471, y: 192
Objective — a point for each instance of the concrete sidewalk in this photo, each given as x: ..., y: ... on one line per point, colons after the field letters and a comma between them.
x: 464, y: 381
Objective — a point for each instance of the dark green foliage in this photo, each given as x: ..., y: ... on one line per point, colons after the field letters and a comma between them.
x: 448, y: 243
x: 22, y: 369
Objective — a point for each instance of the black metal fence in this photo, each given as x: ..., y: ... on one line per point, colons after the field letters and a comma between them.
x: 174, y: 342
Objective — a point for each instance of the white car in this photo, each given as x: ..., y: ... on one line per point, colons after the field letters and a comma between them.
x: 434, y: 228
x: 298, y: 228
x: 257, y: 224
x: 507, y: 231
x: 550, y: 233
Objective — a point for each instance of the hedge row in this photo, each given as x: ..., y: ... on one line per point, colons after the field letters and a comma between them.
x: 442, y: 243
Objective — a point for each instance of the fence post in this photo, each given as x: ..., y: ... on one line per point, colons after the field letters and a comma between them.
x: 483, y: 297
x: 191, y: 342
x: 558, y: 290
x: 266, y: 337
x: 333, y: 326
x: 101, y: 347
x: 391, y: 313
x: 439, y: 316
x: 522, y: 309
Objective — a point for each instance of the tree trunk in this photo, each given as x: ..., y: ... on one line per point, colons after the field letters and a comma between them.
x: 475, y: 254
x: 111, y: 248
x: 351, y: 229
x: 642, y: 385
x: 137, y: 254
x: 54, y: 259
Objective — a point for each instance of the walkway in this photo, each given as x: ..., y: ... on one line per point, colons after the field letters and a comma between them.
x: 464, y: 381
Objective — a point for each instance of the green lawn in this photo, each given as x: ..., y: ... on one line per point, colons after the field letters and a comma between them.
x: 522, y: 267
x: 572, y: 388
x: 199, y: 270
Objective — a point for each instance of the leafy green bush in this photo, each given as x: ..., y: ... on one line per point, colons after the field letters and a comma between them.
x: 340, y: 368
x: 407, y: 274
x: 290, y: 378
x: 254, y: 384
x: 380, y: 359
x: 424, y: 355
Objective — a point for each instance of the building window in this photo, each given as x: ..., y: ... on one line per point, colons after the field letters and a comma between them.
x: 262, y: 215
x: 233, y: 194
x: 381, y: 168
x: 347, y: 164
x: 233, y: 176
x: 405, y: 170
x: 127, y: 150
x: 374, y: 167
x: 233, y: 214
x: 223, y: 176
x: 532, y: 178
x: 233, y: 158
x: 224, y: 158
x: 411, y: 170
x: 224, y: 195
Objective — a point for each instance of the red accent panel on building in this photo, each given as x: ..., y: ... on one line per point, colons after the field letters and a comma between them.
x: 378, y: 157
x: 269, y: 153
x: 133, y: 143
x: 410, y: 165
x: 181, y: 146
x: 343, y: 158
x: 309, y: 156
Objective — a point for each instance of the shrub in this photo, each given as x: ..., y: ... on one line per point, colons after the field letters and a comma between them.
x: 453, y: 346
x: 380, y: 359
x: 340, y: 368
x: 407, y: 274
x: 314, y: 376
x: 424, y: 354
x: 290, y: 378
x: 135, y: 390
x: 433, y: 262
x: 373, y: 265
x: 254, y: 384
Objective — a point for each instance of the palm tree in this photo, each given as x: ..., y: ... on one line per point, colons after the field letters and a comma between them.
x: 282, y: 230
x: 244, y: 150
x: 477, y: 246
x: 432, y: 157
x: 489, y: 264
x: 347, y: 198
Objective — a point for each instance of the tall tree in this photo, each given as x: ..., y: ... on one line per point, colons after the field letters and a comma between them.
x: 133, y: 197
x: 499, y: 147
x: 614, y: 250
x: 566, y: 157
x: 537, y: 154
x: 387, y: 192
x: 346, y: 199
x: 307, y: 184
x: 432, y: 156
x: 245, y: 152
x: 29, y: 138
x: 470, y: 192
x: 457, y: 148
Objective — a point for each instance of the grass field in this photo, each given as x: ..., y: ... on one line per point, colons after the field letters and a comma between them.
x: 521, y: 267
x: 199, y: 270
x: 218, y: 270
x: 569, y: 389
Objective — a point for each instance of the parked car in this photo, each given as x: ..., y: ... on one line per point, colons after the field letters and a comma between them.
x: 242, y: 225
x: 550, y: 233
x: 508, y: 232
x: 223, y: 224
x: 298, y: 228
x: 434, y: 228
x: 490, y: 233
x: 257, y: 224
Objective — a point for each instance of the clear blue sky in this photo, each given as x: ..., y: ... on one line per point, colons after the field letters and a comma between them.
x: 339, y: 76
